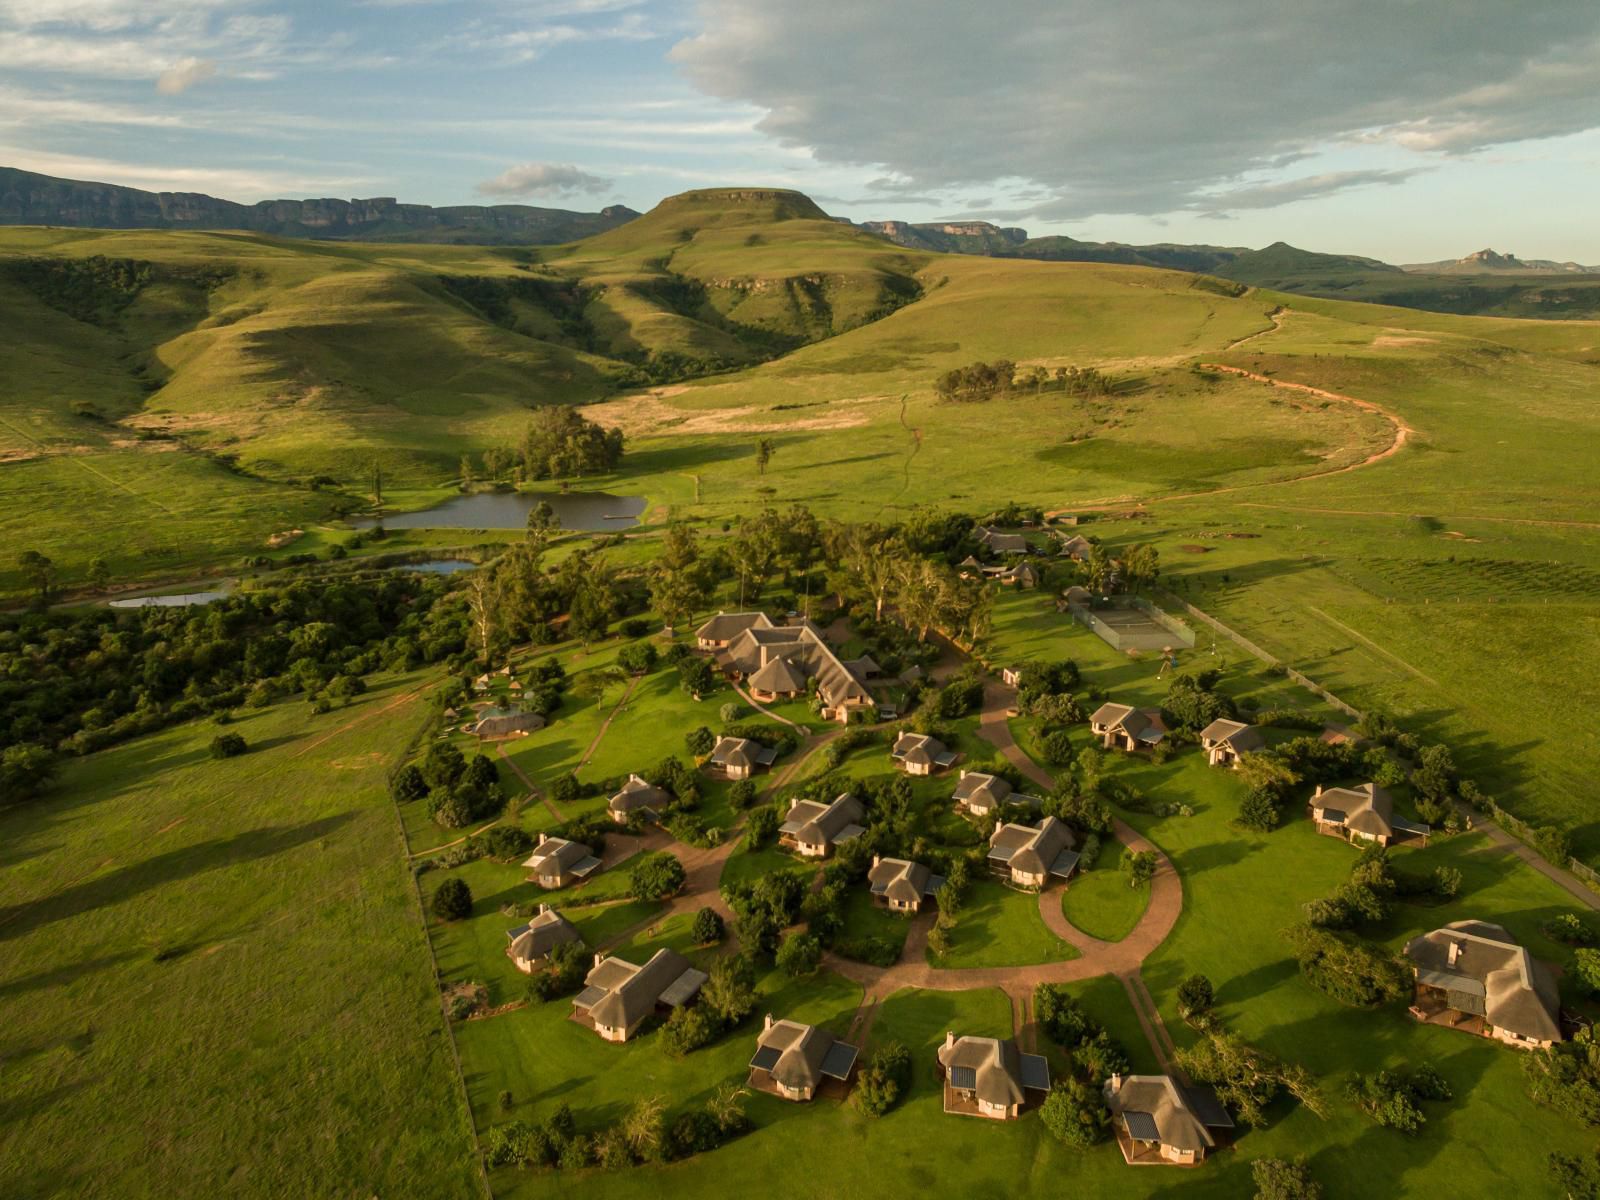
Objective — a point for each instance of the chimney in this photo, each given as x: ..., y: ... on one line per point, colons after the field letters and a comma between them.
x: 876, y: 859
x: 1317, y: 793
x: 949, y: 1038
x: 1455, y: 952
x: 543, y: 908
x: 1115, y: 1082
x: 543, y: 838
x: 599, y: 958
x: 768, y: 1024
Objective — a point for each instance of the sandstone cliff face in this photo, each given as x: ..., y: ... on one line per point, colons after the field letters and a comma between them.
x: 29, y: 199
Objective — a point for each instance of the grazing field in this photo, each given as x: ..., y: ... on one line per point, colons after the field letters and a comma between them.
x: 197, y: 948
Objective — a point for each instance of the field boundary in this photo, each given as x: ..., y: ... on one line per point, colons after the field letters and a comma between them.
x: 433, y: 959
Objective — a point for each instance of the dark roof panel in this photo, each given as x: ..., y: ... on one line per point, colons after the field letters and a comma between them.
x: 766, y: 1058
x: 964, y: 1077
x: 841, y: 1057
x: 1141, y: 1126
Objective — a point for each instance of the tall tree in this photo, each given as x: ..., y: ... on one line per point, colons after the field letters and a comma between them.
x: 765, y: 448
x: 40, y: 573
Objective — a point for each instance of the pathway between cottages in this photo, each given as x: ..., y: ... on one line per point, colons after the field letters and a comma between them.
x: 1095, y: 958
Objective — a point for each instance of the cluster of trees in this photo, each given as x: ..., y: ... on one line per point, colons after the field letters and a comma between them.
x: 982, y: 381
x: 1566, y: 1077
x: 1192, y: 702
x: 1373, y: 888
x: 1394, y: 1099
x: 643, y: 1135
x: 762, y: 909
x: 1075, y: 1111
x: 1272, y: 775
x: 1284, y: 1179
x: 881, y: 568
x: 459, y: 793
x: 1348, y: 969
x: 74, y: 682
x: 656, y: 876
x: 726, y: 999
x: 560, y: 443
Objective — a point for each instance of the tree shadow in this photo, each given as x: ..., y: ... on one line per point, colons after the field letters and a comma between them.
x: 58, y: 976
x: 186, y: 862
x: 1212, y: 855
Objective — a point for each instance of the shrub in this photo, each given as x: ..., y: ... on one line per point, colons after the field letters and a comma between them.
x: 1569, y: 928
x: 730, y: 712
x: 1090, y: 854
x: 227, y: 745
x: 1061, y: 1017
x: 1075, y: 1112
x: 700, y: 741
x: 507, y: 842
x: 1566, y: 1077
x: 452, y: 900
x: 1393, y: 1098
x: 742, y: 794
x: 656, y: 876
x: 1277, y: 1179
x: 634, y: 627
x: 707, y: 928
x: 1259, y: 810
x: 564, y: 789
x: 730, y: 992
x: 1140, y: 866
x: 799, y: 955
x: 881, y: 1082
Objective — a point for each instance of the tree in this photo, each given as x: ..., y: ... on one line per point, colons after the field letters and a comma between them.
x: 1195, y: 997
x: 39, y: 572
x: 1278, y: 1179
x: 696, y: 676
x: 1076, y: 1113
x: 1057, y: 748
x: 409, y: 785
x: 542, y: 523
x: 1586, y: 967
x: 1348, y: 969
x: 1101, y: 570
x: 799, y: 955
x: 442, y: 765
x: 99, y: 572
x: 759, y: 827
x: 730, y: 991
x: 1259, y: 811
x: 1141, y: 564
x: 707, y: 927
x: 644, y: 1126
x: 656, y: 876
x: 1245, y: 1078
x: 1140, y: 866
x: 25, y: 770
x: 638, y: 658
x: 882, y: 1081
x: 452, y: 900
x: 764, y: 451
x: 701, y: 741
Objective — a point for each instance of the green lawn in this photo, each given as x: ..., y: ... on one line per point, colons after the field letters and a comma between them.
x: 864, y: 919
x: 195, y: 949
x: 1000, y: 927
x: 1100, y: 902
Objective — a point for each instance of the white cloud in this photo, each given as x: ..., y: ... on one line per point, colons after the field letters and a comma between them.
x: 229, y: 183
x: 184, y: 74
x: 541, y: 179
x: 1306, y: 187
x: 1146, y: 106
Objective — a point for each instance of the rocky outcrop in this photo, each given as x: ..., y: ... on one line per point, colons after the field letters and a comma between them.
x: 30, y: 199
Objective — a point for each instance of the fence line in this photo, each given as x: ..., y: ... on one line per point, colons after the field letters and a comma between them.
x: 1513, y: 825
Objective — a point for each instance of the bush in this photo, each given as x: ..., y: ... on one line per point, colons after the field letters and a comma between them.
x: 1140, y: 866
x: 730, y: 712
x: 1393, y: 1098
x: 1569, y: 928
x: 1062, y: 1018
x: 1566, y: 1077
x: 634, y: 627
x: 638, y: 658
x: 707, y: 927
x: 1259, y: 810
x: 227, y: 745
x: 700, y: 741
x: 656, y: 876
x: 507, y: 842
x: 882, y: 1081
x: 799, y: 955
x: 452, y: 901
x: 742, y: 794
x: 730, y: 992
x: 1075, y: 1112
x: 1277, y: 1179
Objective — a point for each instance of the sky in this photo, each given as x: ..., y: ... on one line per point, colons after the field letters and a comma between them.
x: 1407, y: 130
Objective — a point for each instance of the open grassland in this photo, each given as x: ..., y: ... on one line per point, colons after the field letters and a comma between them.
x: 214, y: 977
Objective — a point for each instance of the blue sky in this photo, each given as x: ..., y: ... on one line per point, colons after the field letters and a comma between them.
x: 1408, y: 130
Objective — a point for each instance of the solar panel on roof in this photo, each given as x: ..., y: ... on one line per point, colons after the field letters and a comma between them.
x: 1035, y: 1072
x: 766, y: 1058
x: 837, y: 1062
x: 1141, y: 1126
x: 964, y: 1077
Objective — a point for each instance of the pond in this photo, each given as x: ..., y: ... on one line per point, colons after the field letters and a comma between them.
x: 582, y: 511
x: 437, y: 566
x: 184, y: 600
